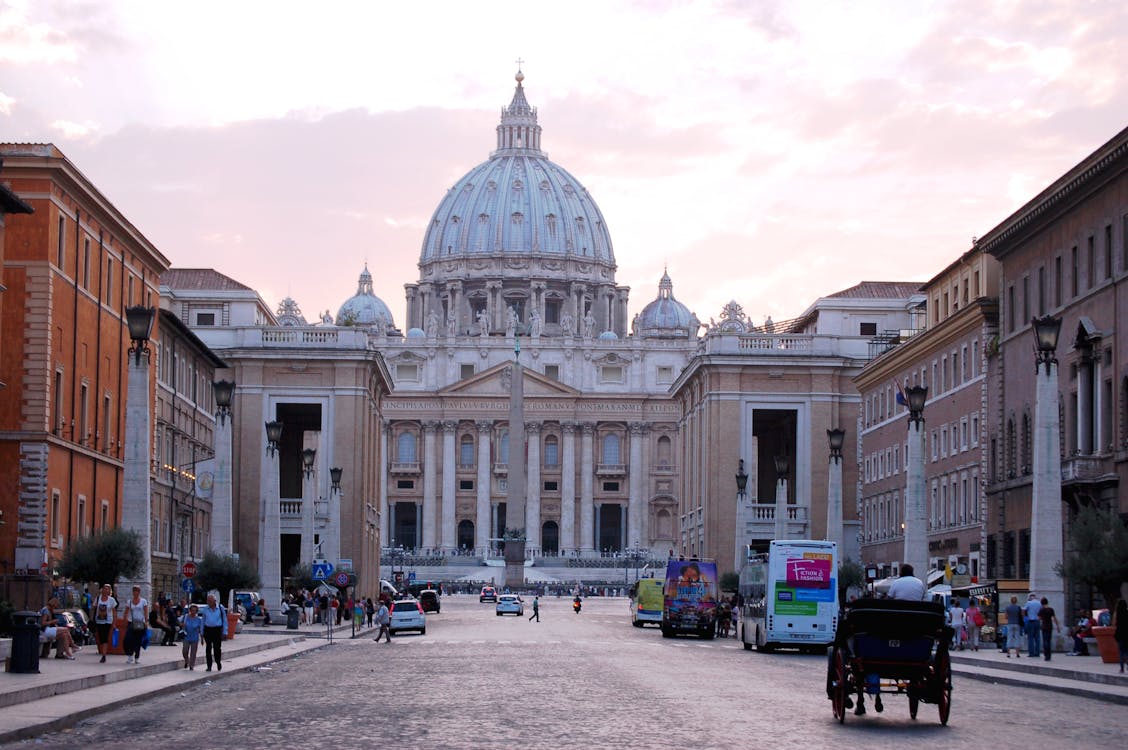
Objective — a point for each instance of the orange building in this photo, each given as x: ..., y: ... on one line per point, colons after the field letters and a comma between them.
x: 70, y: 269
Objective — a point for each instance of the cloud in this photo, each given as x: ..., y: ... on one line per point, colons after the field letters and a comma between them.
x: 27, y: 42
x: 73, y: 130
x: 6, y: 103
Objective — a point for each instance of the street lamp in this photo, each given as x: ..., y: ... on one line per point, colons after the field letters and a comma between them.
x: 224, y: 389
x: 140, y: 321
x: 273, y: 435
x: 335, y: 478
x: 782, y: 464
x: 1046, y: 332
x: 308, y: 456
x: 836, y: 438
x: 741, y: 481
x: 916, y: 395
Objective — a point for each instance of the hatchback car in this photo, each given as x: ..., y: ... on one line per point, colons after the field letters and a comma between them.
x: 407, y: 614
x: 429, y: 598
x: 509, y: 604
x: 489, y: 594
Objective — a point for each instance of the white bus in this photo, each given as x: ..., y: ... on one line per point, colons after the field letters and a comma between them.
x: 790, y: 596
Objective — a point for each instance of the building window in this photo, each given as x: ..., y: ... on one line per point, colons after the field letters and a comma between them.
x: 1010, y: 308
x: 1091, y: 267
x: 503, y: 447
x: 551, y: 486
x: 1025, y: 299
x: 83, y: 406
x: 466, y: 484
x: 610, y: 486
x: 56, y: 512
x: 108, y: 284
x: 405, y: 484
x: 205, y: 319
x: 974, y: 430
x: 1075, y: 270
x: 611, y: 453
x: 466, y: 451
x: 867, y: 329
x: 107, y: 438
x: 86, y: 264
x: 551, y: 451
x: 1041, y: 290
x: 104, y: 518
x: 552, y: 311
x: 1108, y: 252
x: 61, y: 249
x: 611, y: 374
x: 552, y: 372
x: 665, y: 452
x: 1057, y: 281
x: 406, y: 448
x: 59, y: 421
x: 665, y: 374
x: 407, y: 372
x: 465, y: 371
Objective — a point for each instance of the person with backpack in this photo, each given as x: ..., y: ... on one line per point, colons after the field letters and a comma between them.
x: 215, y: 631
x: 975, y: 620
x: 384, y: 620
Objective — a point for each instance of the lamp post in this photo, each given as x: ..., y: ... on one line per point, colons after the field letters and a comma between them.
x: 332, y: 541
x: 1046, y: 544
x: 916, y: 512
x: 782, y: 466
x: 835, y: 438
x: 222, y: 526
x: 136, y: 510
x: 309, y: 497
x: 270, y: 553
x: 741, y: 535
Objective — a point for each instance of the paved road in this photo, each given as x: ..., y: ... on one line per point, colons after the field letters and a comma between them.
x: 589, y: 680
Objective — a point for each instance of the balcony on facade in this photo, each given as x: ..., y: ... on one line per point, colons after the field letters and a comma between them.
x: 610, y: 470
x: 760, y: 518
x: 404, y: 468
x: 1084, y: 469
x: 501, y: 469
x: 786, y: 345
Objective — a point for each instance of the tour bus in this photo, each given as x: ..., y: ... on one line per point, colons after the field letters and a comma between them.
x: 690, y: 599
x: 790, y: 596
x: 646, y: 602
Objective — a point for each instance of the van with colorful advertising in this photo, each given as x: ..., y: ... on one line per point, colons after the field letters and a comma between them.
x: 689, y: 604
x: 790, y: 596
x: 647, y: 600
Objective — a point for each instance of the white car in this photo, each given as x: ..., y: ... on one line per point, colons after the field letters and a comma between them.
x: 509, y: 604
x: 407, y: 614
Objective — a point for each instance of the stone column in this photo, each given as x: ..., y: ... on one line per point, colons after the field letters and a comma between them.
x: 781, y: 511
x: 136, y: 509
x: 568, y: 488
x: 635, y: 486
x: 482, y: 524
x: 532, y: 489
x: 834, y: 503
x: 309, y: 498
x: 221, y: 532
x: 270, y: 533
x: 1046, y: 543
x: 916, y: 510
x: 430, y: 463
x: 382, y: 501
x: 587, y: 488
x: 448, y: 538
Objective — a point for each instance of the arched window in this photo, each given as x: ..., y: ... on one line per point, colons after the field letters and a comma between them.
x: 551, y: 451
x: 664, y: 452
x: 466, y: 451
x: 503, y: 447
x: 611, y: 453
x: 405, y: 448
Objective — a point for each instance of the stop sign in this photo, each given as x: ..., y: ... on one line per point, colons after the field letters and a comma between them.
x: 189, y: 569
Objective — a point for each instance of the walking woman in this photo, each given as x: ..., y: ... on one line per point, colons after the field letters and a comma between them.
x: 105, y: 608
x: 193, y: 629
x: 137, y: 615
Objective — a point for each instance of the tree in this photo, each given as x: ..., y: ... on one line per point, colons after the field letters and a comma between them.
x: 850, y: 574
x: 301, y: 577
x: 103, y: 557
x: 1097, y: 552
x: 225, y: 573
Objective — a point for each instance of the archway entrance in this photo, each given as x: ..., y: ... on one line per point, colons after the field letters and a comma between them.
x: 405, y: 525
x: 609, y: 532
x: 466, y: 535
x: 550, y: 538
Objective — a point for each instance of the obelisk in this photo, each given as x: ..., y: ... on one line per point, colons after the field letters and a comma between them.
x: 515, y: 489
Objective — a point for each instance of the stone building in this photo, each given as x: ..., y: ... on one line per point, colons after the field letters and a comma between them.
x: 70, y: 270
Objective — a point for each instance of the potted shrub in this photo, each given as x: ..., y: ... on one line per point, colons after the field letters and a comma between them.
x: 1097, y: 557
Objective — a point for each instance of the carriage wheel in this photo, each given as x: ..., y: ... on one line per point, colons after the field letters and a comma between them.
x: 838, y: 697
x: 942, y: 673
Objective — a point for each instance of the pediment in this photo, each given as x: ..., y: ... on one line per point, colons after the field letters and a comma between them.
x: 495, y: 382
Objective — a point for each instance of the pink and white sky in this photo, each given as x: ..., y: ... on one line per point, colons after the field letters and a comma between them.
x: 768, y: 152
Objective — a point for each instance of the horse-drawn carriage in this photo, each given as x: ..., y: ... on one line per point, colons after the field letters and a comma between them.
x: 890, y: 646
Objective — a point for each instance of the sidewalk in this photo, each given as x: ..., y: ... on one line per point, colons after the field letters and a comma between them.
x: 1086, y: 676
x: 65, y: 692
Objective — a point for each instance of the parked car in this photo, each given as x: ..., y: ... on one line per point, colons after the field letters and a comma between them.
x: 489, y: 594
x: 429, y: 598
x: 509, y: 604
x: 407, y: 614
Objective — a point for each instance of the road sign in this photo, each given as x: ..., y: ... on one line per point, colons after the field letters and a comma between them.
x: 188, y: 585
x: 411, y: 576
x: 321, y: 570
x: 189, y: 569
x: 341, y: 579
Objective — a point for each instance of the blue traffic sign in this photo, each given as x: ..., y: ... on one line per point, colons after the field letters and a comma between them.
x: 411, y: 576
x: 321, y: 571
x: 188, y: 585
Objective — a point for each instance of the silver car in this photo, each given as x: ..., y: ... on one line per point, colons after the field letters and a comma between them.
x: 509, y: 604
x: 407, y: 614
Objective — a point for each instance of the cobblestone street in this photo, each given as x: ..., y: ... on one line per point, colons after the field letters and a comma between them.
x: 587, y: 680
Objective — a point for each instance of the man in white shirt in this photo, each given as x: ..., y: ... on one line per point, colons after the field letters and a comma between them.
x: 957, y: 619
x: 907, y: 587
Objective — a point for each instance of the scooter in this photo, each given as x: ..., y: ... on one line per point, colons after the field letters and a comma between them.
x: 576, y: 605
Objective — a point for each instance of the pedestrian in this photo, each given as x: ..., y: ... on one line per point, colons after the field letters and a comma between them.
x: 193, y: 626
x: 307, y: 608
x: 907, y: 586
x: 975, y: 621
x: 1120, y: 623
x: 1033, y: 630
x: 159, y: 621
x: 536, y: 609
x: 358, y: 614
x: 1049, y: 621
x: 1079, y: 632
x: 334, y: 611
x: 384, y: 620
x: 958, y: 620
x: 215, y: 630
x: 51, y: 631
x: 137, y: 615
x: 105, y: 608
x: 369, y: 610
x: 1014, y: 628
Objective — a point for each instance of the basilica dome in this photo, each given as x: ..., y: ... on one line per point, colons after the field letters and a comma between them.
x: 665, y: 317
x: 518, y: 203
x: 365, y: 309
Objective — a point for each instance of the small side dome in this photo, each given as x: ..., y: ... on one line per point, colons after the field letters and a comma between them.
x: 665, y: 317
x: 608, y: 336
x: 365, y: 309
x: 416, y: 333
